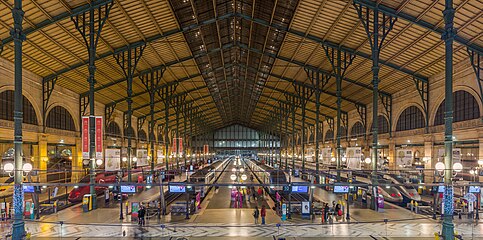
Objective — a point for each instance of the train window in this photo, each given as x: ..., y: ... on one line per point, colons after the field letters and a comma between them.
x: 85, y: 179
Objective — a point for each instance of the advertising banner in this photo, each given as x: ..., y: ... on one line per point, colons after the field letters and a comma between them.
x: 456, y: 154
x: 142, y: 155
x: 85, y: 137
x: 113, y: 160
x: 305, y: 208
x: 205, y: 149
x: 353, y: 155
x: 180, y: 145
x: 326, y: 155
x: 99, y: 137
x: 174, y: 148
x: 404, y: 157
x: 159, y: 156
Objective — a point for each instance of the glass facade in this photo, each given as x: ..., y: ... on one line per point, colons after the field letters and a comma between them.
x: 236, y: 136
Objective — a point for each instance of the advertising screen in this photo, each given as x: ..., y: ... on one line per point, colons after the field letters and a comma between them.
x: 128, y: 189
x: 177, y: 189
x: 300, y: 189
x: 474, y: 189
x: 28, y: 189
x: 341, y: 189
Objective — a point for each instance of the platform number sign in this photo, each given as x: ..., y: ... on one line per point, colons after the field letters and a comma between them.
x: 286, y: 189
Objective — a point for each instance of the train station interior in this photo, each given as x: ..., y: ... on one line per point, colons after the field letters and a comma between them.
x: 255, y: 119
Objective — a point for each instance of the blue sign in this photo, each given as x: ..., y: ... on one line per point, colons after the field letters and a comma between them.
x: 128, y: 189
x: 284, y: 212
x: 474, y: 189
x: 177, y: 189
x: 28, y: 189
x: 341, y: 189
x: 300, y: 189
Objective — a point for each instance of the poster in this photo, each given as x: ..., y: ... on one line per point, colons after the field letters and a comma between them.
x: 305, y: 208
x: 159, y: 156
x: 353, y: 156
x: 404, y: 157
x: 99, y: 137
x: 174, y: 148
x: 180, y: 146
x: 85, y: 137
x: 113, y: 160
x: 142, y: 155
x: 456, y: 155
x: 326, y: 155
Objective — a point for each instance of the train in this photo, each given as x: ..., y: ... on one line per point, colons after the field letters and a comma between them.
x: 137, y: 175
x: 268, y: 175
x: 208, y: 175
x: 384, y: 188
x: 409, y: 193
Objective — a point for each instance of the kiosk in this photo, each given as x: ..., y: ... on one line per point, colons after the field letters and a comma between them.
x: 87, y: 202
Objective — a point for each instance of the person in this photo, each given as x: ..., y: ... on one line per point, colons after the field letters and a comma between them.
x: 263, y: 213
x: 141, y: 214
x: 256, y: 214
x: 338, y: 211
x: 326, y: 212
x: 248, y: 193
x: 254, y: 193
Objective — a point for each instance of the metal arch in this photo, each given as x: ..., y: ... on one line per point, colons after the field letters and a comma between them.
x: 387, y: 103
x: 140, y: 123
x: 108, y: 113
x: 423, y: 90
x: 362, y: 111
x: 139, y: 43
x: 63, y: 16
x: 329, y: 44
x: 476, y: 58
x: 426, y: 25
x: 47, y: 89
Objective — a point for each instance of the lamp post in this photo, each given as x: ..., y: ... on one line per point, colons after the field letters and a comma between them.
x: 442, y: 171
x: 18, y: 225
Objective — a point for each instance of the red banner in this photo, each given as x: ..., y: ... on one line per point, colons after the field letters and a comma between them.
x: 173, y: 149
x: 205, y: 149
x: 180, y: 145
x: 99, y: 137
x: 85, y: 137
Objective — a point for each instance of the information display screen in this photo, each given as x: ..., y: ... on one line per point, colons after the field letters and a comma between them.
x: 441, y: 189
x: 474, y: 189
x: 341, y: 189
x: 177, y: 189
x: 28, y: 189
x: 300, y: 189
x: 128, y: 189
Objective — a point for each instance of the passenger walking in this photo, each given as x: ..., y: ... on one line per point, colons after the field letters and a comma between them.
x: 338, y: 212
x: 263, y: 213
x: 326, y: 212
x: 141, y: 214
x: 254, y: 193
x: 256, y: 214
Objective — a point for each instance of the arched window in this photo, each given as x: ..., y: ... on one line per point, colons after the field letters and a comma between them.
x: 465, y: 108
x: 131, y: 130
x: 113, y: 130
x: 382, y: 125
x: 142, y: 136
x: 329, y: 135
x: 60, y: 118
x: 410, y: 118
x: 343, y: 132
x: 358, y: 130
x: 7, y: 105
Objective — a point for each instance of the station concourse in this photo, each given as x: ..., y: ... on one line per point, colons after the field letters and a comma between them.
x: 255, y: 119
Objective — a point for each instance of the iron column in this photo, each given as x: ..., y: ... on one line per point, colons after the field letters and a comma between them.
x: 18, y: 37
x: 448, y: 37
